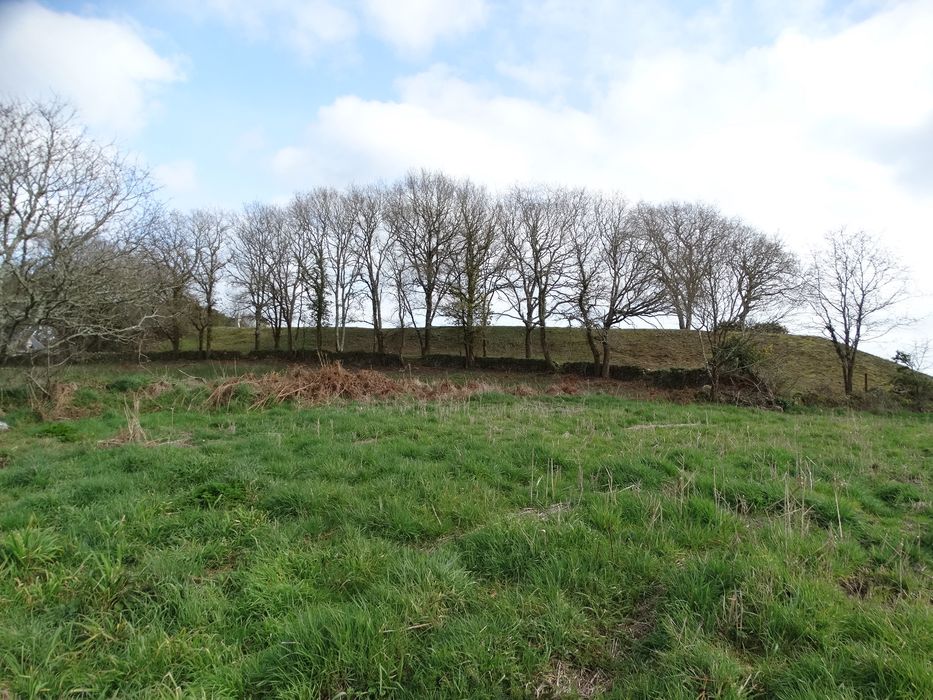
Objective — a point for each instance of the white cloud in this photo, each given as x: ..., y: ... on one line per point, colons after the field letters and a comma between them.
x: 177, y: 177
x: 439, y: 122
x: 105, y: 68
x: 306, y: 26
x: 413, y: 27
x: 793, y: 135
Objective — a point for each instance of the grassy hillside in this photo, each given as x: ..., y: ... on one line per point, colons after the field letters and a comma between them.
x: 807, y: 363
x: 489, y: 546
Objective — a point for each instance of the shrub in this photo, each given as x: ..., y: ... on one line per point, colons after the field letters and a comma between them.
x: 759, y: 327
x: 129, y: 382
x: 63, y: 432
x: 915, y: 389
x: 768, y: 327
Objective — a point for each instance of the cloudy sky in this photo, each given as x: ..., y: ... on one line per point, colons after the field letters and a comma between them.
x: 798, y: 115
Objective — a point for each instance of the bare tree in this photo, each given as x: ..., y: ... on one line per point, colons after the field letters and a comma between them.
x: 208, y: 231
x: 917, y: 358
x: 610, y: 280
x: 402, y: 293
x: 539, y: 225
x: 373, y: 245
x: 285, y: 285
x: 852, y: 286
x: 739, y: 283
x: 520, y: 288
x: 253, y: 248
x: 767, y: 273
x: 311, y: 217
x: 171, y: 253
x: 475, y: 266
x: 421, y: 216
x: 343, y: 266
x: 684, y: 241
x: 70, y: 211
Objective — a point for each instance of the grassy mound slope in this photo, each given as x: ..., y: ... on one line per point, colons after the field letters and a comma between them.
x: 809, y: 363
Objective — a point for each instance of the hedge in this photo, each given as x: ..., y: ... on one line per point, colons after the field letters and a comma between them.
x: 673, y: 378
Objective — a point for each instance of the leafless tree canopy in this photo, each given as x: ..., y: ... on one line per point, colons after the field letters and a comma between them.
x: 87, y: 261
x: 475, y: 265
x: 540, y: 224
x: 683, y: 236
x: 421, y: 214
x: 610, y: 280
x: 172, y: 260
x: 853, y: 286
x: 209, y: 232
x: 372, y: 248
x: 251, y: 259
x: 71, y: 213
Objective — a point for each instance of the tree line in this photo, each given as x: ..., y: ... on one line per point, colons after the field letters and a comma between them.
x: 90, y: 260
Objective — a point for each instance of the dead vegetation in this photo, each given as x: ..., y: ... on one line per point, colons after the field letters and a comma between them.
x: 564, y: 680
x: 56, y: 402
x: 546, y: 512
x: 133, y: 433
x: 333, y: 382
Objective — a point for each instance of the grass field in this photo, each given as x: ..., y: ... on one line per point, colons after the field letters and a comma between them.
x: 807, y: 364
x: 492, y: 546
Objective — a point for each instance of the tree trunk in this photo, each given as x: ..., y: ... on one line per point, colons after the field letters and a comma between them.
x: 379, y: 341
x: 201, y: 341
x: 401, y: 344
x: 545, y: 347
x: 209, y: 332
x: 528, y: 330
x: 176, y: 343
x: 276, y: 337
x: 847, y: 373
x: 597, y: 360
x: 256, y: 333
x: 428, y: 309
x: 605, y: 369
x: 469, y: 340
x: 542, y: 331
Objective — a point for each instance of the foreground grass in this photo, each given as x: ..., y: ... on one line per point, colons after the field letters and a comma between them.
x: 501, y: 546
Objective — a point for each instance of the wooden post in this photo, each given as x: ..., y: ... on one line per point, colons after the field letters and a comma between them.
x: 866, y: 382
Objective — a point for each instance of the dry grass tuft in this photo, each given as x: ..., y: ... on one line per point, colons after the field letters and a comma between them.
x: 333, y: 382
x: 564, y: 680
x: 156, y: 389
x: 133, y: 432
x: 546, y: 512
x: 57, y: 404
x: 304, y: 385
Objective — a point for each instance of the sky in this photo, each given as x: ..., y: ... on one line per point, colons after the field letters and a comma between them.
x: 800, y: 116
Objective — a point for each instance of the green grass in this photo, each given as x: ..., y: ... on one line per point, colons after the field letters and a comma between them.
x: 501, y: 546
x: 806, y: 364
